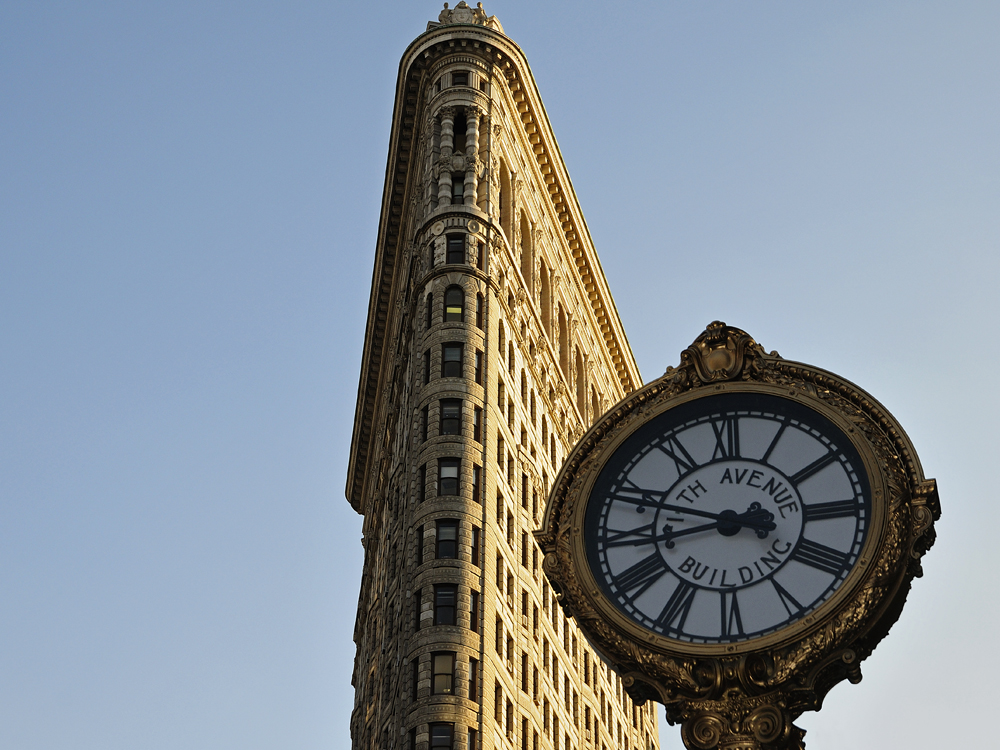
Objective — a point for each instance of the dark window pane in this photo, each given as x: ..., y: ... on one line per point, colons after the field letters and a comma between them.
x: 456, y: 246
x: 460, y: 78
x: 448, y: 476
x: 444, y: 604
x: 451, y: 418
x: 451, y: 361
x: 447, y: 540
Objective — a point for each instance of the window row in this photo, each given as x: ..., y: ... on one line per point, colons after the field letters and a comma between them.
x: 454, y: 248
x: 448, y: 473
x: 446, y: 540
x: 442, y: 737
x: 443, y: 675
x: 454, y: 307
x: 453, y: 362
x: 450, y: 419
x: 445, y: 606
x: 460, y: 78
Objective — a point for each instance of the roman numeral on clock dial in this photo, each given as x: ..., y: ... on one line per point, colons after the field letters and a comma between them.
x: 791, y: 605
x: 727, y: 437
x: 816, y: 466
x: 641, y: 576
x: 732, y: 622
x: 835, y: 509
x: 631, y: 538
x: 820, y: 556
x: 681, y: 458
x: 677, y: 607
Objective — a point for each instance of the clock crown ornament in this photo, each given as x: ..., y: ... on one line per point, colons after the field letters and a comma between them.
x: 737, y: 536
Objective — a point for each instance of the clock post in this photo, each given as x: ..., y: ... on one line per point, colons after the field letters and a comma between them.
x: 737, y: 536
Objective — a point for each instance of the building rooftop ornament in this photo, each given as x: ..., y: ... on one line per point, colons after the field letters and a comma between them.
x: 462, y: 13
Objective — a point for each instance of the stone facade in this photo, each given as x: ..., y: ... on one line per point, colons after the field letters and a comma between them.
x: 492, y: 343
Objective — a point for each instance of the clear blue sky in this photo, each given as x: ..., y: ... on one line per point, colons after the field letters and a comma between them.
x: 189, y: 197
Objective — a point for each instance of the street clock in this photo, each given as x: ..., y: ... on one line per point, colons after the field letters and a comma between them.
x: 737, y: 536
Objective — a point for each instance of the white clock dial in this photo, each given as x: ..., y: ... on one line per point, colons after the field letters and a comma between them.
x: 727, y: 518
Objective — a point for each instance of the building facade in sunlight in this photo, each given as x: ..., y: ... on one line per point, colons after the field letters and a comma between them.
x: 492, y: 343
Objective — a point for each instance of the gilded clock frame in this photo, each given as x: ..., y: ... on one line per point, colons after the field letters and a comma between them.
x: 750, y: 689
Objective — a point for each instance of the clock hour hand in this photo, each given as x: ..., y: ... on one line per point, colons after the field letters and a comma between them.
x: 730, y: 522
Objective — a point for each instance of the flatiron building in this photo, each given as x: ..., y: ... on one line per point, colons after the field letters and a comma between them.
x: 492, y: 343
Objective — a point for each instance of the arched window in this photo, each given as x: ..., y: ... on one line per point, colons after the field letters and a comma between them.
x: 506, y: 207
x: 454, y: 305
x: 527, y: 253
x: 546, y: 299
x: 563, y: 343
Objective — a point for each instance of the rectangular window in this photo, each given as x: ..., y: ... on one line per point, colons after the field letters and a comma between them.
x: 458, y: 192
x: 474, y: 611
x: 451, y: 420
x: 524, y: 485
x: 443, y: 673
x: 524, y: 549
x: 441, y: 735
x: 460, y: 78
x: 456, y: 242
x: 473, y: 679
x: 451, y: 360
x: 479, y: 311
x: 417, y: 601
x: 498, y: 638
x: 476, y: 472
x: 423, y: 424
x: 444, y: 603
x: 475, y: 545
x: 479, y: 367
x: 480, y: 256
x: 422, y: 483
x: 447, y: 539
x: 524, y: 672
x: 477, y: 424
x: 472, y: 739
x: 430, y: 304
x: 448, y: 476
x: 415, y: 677
x: 427, y: 366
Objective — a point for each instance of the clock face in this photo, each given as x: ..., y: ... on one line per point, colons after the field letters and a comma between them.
x: 727, y: 518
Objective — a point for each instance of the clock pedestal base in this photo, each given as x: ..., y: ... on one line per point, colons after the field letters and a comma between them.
x: 734, y: 727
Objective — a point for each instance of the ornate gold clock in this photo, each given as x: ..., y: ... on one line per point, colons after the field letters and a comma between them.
x: 737, y: 536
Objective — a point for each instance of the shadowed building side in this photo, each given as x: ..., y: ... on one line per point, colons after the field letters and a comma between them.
x: 492, y: 343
